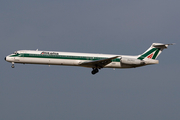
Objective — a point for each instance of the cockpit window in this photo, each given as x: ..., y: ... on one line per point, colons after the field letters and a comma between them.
x: 15, y: 52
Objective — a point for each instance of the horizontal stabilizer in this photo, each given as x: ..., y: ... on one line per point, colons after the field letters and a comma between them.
x: 160, y: 45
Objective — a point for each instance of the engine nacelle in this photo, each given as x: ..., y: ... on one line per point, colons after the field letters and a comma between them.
x: 132, y: 61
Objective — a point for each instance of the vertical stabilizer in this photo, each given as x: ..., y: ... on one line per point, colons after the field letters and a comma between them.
x: 154, y: 51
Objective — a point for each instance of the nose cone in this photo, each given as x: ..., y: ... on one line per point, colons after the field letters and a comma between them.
x: 5, y: 58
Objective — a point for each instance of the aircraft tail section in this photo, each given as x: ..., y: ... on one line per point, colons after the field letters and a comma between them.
x: 154, y: 51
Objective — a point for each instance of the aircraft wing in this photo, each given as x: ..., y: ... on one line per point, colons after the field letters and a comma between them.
x: 98, y: 63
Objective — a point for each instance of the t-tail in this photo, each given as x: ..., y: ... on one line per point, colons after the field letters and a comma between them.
x: 153, y: 52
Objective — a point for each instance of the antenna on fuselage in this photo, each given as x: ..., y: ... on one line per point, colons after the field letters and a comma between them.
x: 36, y: 49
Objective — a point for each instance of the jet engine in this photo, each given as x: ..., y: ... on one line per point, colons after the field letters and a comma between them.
x: 132, y: 61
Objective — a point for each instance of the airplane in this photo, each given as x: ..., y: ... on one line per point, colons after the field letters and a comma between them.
x: 90, y: 60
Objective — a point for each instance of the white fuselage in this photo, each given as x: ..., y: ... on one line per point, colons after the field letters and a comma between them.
x: 94, y: 61
x: 70, y: 58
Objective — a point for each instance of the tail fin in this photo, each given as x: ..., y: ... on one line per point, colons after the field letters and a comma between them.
x: 154, y: 51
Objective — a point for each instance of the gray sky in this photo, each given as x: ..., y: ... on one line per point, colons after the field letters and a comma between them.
x: 40, y: 92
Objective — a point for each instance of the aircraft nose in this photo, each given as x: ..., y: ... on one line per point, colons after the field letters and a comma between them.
x: 5, y: 58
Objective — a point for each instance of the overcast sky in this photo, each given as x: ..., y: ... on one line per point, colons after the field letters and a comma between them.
x: 40, y: 92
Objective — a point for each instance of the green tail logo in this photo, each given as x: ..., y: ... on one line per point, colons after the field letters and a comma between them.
x: 151, y: 54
